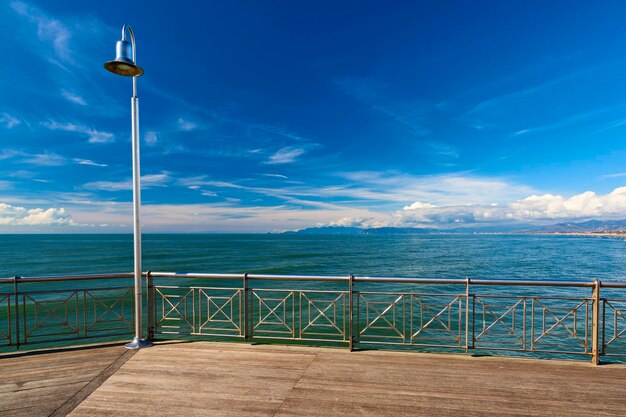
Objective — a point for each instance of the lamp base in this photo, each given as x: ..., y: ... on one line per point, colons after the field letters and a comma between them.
x: 138, y: 344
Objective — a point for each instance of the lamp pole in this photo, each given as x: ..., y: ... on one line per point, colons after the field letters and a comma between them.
x: 125, y: 64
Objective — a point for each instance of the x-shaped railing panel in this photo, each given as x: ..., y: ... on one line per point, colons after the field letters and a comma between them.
x: 324, y: 317
x: 614, y: 325
x: 50, y: 317
x: 6, y: 334
x: 384, y: 316
x: 436, y: 322
x: 557, y: 321
x: 497, y: 324
x: 223, y: 312
x: 113, y: 309
x: 275, y: 314
x: 176, y: 314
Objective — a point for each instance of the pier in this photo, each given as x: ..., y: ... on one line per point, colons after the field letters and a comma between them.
x: 240, y: 379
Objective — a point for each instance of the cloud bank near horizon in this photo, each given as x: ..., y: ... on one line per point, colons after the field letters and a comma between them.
x: 535, y: 209
x: 21, y: 216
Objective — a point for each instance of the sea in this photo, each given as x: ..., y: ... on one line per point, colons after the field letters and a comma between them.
x: 474, y: 256
x: 489, y: 256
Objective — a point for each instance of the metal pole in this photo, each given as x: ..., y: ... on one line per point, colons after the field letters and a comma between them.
x: 246, y: 334
x: 150, y: 300
x: 138, y: 342
x: 595, y: 323
x: 350, y: 313
x: 467, y: 297
x: 17, y: 311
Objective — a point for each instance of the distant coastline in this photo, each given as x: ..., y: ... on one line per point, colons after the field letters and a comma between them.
x: 596, y: 228
x: 619, y: 233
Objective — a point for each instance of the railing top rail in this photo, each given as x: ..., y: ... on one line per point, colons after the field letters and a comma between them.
x: 458, y: 281
x: 613, y: 284
x: 250, y: 276
x: 327, y: 278
x: 400, y: 280
x: 51, y: 278
x: 195, y: 275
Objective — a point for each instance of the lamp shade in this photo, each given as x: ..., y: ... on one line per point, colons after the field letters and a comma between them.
x: 123, y: 63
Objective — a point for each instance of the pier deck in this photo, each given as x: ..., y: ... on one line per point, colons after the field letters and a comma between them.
x: 230, y: 379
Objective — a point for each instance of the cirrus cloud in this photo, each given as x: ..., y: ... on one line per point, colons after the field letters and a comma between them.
x: 285, y: 155
x: 94, y: 136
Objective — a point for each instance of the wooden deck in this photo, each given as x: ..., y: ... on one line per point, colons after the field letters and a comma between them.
x: 48, y: 383
x: 230, y: 379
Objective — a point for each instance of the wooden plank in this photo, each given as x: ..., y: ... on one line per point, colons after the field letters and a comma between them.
x: 201, y: 379
x: 37, y: 383
x: 237, y: 380
x: 371, y: 383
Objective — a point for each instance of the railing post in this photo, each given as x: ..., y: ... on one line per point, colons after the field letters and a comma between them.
x: 17, y: 311
x: 246, y: 336
x: 467, y: 300
x: 595, y: 326
x: 150, y: 301
x: 350, y: 313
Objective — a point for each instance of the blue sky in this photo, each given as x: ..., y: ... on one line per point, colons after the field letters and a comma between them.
x: 274, y: 115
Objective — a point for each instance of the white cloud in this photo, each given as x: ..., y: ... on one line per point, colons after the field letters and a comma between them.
x: 9, y: 121
x: 21, y: 216
x: 285, y: 155
x: 42, y: 159
x: 441, y: 149
x: 419, y: 206
x: 214, y: 217
x: 49, y: 30
x: 8, y: 153
x: 109, y: 185
x: 88, y: 162
x: 440, y: 189
x: 615, y: 175
x: 45, y: 159
x: 535, y: 208
x: 348, y: 222
x: 151, y: 138
x: 186, y: 125
x: 296, y: 213
x: 276, y: 176
x: 147, y: 181
x: 74, y: 98
x: 22, y: 174
x: 94, y: 136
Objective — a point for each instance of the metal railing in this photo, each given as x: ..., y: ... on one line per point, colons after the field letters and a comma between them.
x: 428, y: 313
x: 467, y: 315
x: 58, y: 309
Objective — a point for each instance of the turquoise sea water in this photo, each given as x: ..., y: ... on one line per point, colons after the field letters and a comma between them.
x: 454, y: 256
x: 528, y: 257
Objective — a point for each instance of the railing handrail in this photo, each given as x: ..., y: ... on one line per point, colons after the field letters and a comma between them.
x: 331, y: 278
x: 52, y: 278
x: 400, y: 280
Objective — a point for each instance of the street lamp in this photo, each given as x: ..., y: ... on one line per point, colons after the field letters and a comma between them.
x: 125, y: 64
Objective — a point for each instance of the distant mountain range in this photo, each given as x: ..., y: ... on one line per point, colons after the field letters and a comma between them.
x: 597, y: 226
x: 590, y: 226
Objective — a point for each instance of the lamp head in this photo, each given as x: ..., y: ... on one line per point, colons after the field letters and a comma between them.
x: 124, y: 64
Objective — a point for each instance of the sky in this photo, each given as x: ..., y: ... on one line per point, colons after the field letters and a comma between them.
x: 277, y: 115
